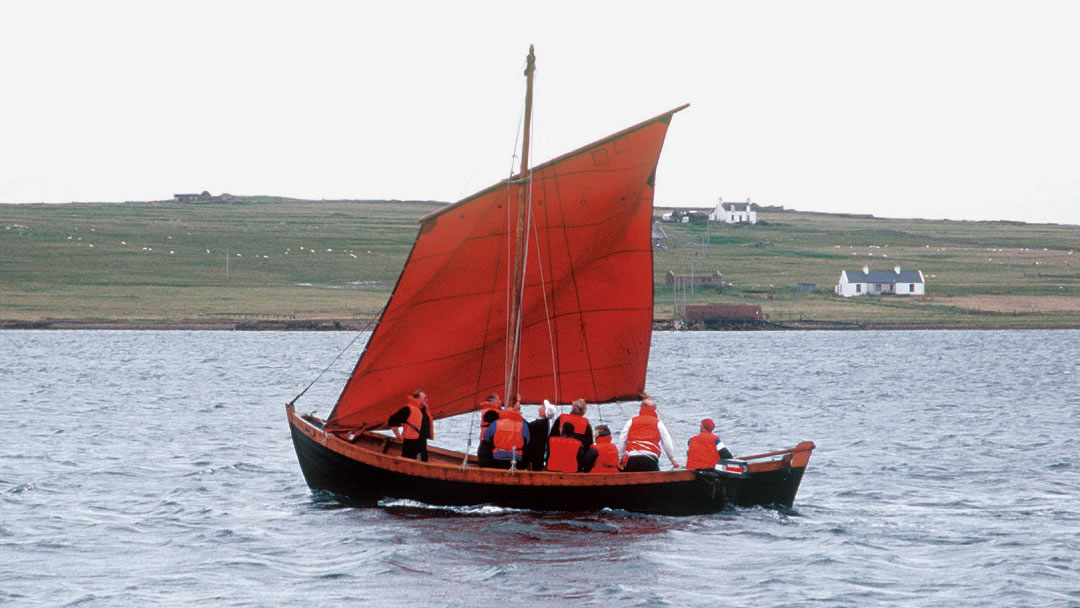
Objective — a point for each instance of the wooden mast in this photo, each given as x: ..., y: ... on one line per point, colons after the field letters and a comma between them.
x: 520, y: 240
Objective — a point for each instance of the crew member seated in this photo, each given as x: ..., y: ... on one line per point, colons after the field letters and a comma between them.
x: 486, y: 449
x: 706, y: 449
x: 564, y: 452
x: 492, y: 404
x: 509, y: 436
x: 603, y: 456
x: 582, y: 430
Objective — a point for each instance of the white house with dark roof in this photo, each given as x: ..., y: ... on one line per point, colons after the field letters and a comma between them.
x: 734, y: 213
x: 880, y: 282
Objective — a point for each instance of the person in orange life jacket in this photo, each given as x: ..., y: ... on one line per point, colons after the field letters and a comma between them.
x: 706, y: 449
x: 509, y: 436
x: 492, y: 404
x: 415, y: 423
x: 564, y: 452
x: 582, y: 430
x: 642, y: 438
x: 603, y: 456
x: 486, y: 448
x: 538, y: 436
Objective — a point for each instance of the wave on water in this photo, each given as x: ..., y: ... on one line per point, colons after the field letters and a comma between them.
x: 403, y: 506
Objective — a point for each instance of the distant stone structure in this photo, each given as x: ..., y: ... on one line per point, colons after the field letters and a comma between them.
x: 203, y: 197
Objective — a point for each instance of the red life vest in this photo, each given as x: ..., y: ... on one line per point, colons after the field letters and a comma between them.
x: 702, y: 453
x: 607, y: 456
x: 581, y: 423
x: 562, y: 454
x: 644, y: 433
x: 411, y: 428
x: 508, y: 433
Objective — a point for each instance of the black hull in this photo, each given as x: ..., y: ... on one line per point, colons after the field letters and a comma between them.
x: 667, y: 493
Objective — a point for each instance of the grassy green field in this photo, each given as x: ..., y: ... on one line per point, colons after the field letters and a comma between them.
x: 339, y: 259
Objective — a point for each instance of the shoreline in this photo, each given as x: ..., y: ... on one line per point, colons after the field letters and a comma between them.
x: 364, y: 325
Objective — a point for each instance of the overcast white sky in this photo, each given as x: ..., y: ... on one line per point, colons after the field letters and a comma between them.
x: 961, y: 110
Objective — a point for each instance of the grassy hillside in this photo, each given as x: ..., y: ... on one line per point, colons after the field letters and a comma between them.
x: 977, y: 273
x: 339, y: 259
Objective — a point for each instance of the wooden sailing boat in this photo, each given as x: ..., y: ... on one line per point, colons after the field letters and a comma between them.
x: 541, y: 285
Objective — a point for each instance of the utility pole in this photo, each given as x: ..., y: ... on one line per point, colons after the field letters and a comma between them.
x: 226, y: 263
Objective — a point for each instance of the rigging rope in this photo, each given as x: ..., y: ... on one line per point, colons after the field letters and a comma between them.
x: 509, y: 251
x: 355, y: 338
x: 547, y: 312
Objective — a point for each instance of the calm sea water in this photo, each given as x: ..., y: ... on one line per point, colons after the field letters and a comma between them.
x: 155, y: 468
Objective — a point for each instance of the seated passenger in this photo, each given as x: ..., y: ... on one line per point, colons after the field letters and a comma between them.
x: 564, y: 452
x: 538, y: 436
x: 603, y: 456
x: 484, y: 451
x: 582, y: 430
x: 509, y: 436
x: 492, y: 404
x: 706, y: 449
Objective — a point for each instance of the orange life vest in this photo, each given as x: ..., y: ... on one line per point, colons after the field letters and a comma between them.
x: 562, y: 454
x: 411, y: 428
x: 485, y: 409
x: 607, y: 456
x: 644, y: 433
x: 702, y: 453
x: 580, y: 423
x: 508, y: 433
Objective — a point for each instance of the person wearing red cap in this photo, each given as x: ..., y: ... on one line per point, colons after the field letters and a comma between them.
x: 705, y: 448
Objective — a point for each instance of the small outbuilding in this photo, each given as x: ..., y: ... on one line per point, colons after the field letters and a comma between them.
x: 659, y: 236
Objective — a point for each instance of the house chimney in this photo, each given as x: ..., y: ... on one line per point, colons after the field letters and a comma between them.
x: 866, y: 269
x: 897, y: 269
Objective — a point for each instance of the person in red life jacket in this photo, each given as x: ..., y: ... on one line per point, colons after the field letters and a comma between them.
x: 538, y: 436
x: 706, y: 449
x: 582, y: 430
x: 564, y: 452
x: 493, y: 403
x: 415, y: 426
x: 642, y: 438
x: 509, y: 436
x: 486, y: 448
x: 603, y: 456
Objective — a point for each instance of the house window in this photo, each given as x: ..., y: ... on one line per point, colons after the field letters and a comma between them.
x: 858, y: 288
x: 911, y: 288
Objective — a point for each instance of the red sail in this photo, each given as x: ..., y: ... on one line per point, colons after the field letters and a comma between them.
x: 587, y: 305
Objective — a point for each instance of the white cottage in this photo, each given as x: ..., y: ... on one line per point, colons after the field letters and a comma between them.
x: 734, y: 213
x: 879, y: 282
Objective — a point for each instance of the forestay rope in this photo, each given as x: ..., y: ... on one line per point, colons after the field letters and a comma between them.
x: 347, y: 347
